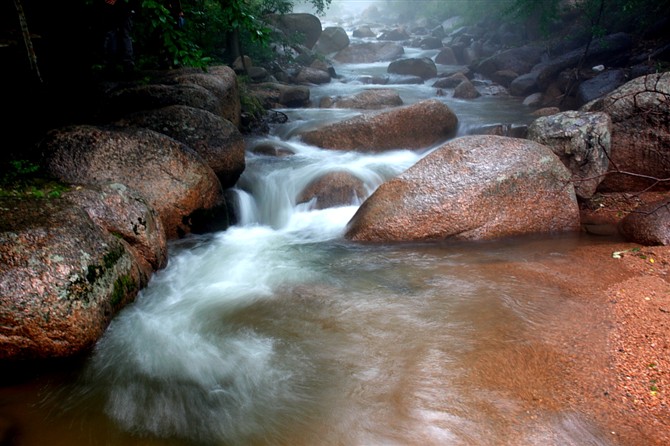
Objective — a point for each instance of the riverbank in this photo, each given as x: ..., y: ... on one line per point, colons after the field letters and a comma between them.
x: 619, y: 372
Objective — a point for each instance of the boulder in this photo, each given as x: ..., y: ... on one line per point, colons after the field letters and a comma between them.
x: 465, y: 90
x: 298, y: 24
x: 122, y: 101
x: 123, y: 212
x: 332, y: 39
x: 309, y: 75
x: 640, y: 154
x: 277, y: 95
x: 363, y: 32
x: 369, y: 52
x: 416, y: 126
x: 333, y: 189
x: 519, y: 60
x: 451, y: 81
x: 174, y: 179
x: 648, y: 224
x: 582, y: 141
x: 394, y: 34
x: 221, y: 80
x: 524, y: 85
x: 446, y: 56
x: 423, y: 67
x: 371, y: 99
x: 214, y: 138
x: 472, y: 188
x: 62, y: 279
x: 601, y: 50
x: 600, y: 85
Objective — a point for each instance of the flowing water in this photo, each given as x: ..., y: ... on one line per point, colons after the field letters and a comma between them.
x: 279, y: 331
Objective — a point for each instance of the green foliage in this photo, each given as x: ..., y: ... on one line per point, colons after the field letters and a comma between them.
x: 22, y: 178
x: 250, y: 103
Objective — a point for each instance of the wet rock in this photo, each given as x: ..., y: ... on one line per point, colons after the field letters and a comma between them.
x: 546, y: 111
x: 450, y: 81
x: 214, y: 138
x: 518, y: 60
x: 369, y: 52
x: 395, y: 34
x: 640, y: 113
x: 533, y: 100
x: 306, y: 25
x: 277, y: 95
x: 472, y: 188
x: 606, y: 48
x: 648, y: 224
x: 423, y: 67
x: 415, y: 126
x: 524, y: 85
x: 62, y: 279
x: 446, y: 56
x: 332, y: 39
x: 363, y: 32
x: 145, y: 97
x: 123, y: 212
x: 334, y: 189
x: 309, y: 75
x: 372, y: 99
x: 465, y: 90
x: 221, y: 80
x: 600, y: 85
x: 172, y: 177
x: 430, y: 43
x: 504, y: 77
x: 272, y: 149
x: 582, y: 141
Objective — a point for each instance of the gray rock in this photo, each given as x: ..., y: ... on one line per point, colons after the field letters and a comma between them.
x: 582, y: 141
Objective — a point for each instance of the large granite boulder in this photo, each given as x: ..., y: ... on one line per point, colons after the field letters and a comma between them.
x: 174, y: 179
x: 221, y: 80
x: 125, y: 213
x: 416, y: 126
x: 582, y: 140
x: 640, y: 154
x: 472, y: 188
x: 214, y: 138
x: 62, y: 279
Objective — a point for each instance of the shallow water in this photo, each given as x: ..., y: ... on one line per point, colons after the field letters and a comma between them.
x: 277, y: 331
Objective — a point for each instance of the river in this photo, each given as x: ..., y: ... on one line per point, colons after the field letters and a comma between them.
x: 278, y: 331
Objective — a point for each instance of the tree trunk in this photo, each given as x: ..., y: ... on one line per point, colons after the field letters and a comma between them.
x: 30, y: 51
